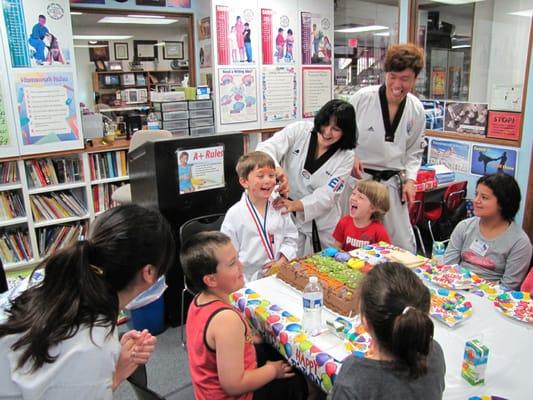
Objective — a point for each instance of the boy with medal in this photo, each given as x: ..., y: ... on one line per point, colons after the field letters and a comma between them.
x: 264, y: 237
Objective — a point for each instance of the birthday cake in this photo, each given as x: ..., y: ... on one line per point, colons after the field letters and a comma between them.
x: 338, y: 273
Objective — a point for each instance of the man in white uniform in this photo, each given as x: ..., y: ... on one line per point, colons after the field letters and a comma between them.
x: 317, y: 158
x: 391, y: 124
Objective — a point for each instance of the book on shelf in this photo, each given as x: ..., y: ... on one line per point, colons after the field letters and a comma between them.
x: 11, y: 205
x: 102, y: 196
x: 45, y: 172
x: 15, y: 246
x: 8, y: 172
x: 54, y: 205
x: 57, y: 237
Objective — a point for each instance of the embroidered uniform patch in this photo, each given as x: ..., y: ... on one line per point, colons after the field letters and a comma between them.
x: 336, y: 184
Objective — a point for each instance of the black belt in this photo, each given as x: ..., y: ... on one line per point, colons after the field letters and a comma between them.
x: 383, y: 175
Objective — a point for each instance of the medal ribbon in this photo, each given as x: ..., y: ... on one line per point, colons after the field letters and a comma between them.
x: 261, y: 227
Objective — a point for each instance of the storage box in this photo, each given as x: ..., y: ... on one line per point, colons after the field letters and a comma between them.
x: 180, y: 132
x: 201, y: 122
x: 202, y: 131
x: 92, y: 126
x: 200, y: 104
x: 173, y: 125
x: 172, y: 115
x: 208, y: 112
x: 171, y: 106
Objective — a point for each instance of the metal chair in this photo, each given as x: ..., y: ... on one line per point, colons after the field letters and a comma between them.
x: 416, y: 213
x: 123, y: 194
x: 205, y: 223
x: 139, y: 383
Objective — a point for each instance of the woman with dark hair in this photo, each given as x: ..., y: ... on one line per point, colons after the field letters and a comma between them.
x: 403, y: 358
x: 316, y: 157
x: 60, y: 339
x: 491, y: 244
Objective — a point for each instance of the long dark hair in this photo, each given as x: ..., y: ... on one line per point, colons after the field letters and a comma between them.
x: 82, y: 282
x: 395, y: 303
x: 344, y: 115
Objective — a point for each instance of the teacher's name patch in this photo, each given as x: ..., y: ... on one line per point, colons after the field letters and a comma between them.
x: 336, y: 184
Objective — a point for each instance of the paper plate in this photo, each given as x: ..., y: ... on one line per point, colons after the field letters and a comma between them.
x: 358, y: 341
x: 517, y: 305
x: 487, y: 397
x: 449, y: 276
x: 449, y: 307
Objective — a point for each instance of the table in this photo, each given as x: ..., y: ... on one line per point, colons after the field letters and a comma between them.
x: 510, y: 343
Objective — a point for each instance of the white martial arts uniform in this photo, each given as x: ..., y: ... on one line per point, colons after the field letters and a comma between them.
x: 319, y: 192
x: 83, y: 369
x: 403, y: 153
x: 240, y: 226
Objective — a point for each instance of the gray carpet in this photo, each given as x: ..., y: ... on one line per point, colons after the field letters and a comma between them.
x: 168, y: 370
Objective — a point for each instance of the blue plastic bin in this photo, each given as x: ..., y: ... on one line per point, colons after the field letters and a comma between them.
x: 151, y: 317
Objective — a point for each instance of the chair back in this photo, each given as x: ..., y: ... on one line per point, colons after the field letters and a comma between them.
x: 138, y: 381
x: 3, y: 279
x: 416, y: 209
x: 211, y: 222
x: 454, y: 195
x: 141, y: 137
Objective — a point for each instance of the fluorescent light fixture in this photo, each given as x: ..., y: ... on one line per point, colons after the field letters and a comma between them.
x: 461, y: 46
x: 76, y: 13
x: 523, y: 13
x: 146, y: 16
x: 101, y: 37
x: 456, y: 2
x: 382, y: 34
x: 358, y: 29
x: 137, y: 20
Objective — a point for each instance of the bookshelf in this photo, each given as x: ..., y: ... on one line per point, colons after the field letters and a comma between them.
x: 48, y: 200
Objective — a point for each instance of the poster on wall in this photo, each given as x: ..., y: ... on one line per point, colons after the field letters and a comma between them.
x: 236, y: 31
x: 466, y: 117
x: 504, y: 125
x: 4, y: 132
x: 200, y: 169
x: 438, y: 82
x: 38, y: 33
x: 277, y: 36
x: 316, y: 89
x: 434, y: 112
x: 204, y: 42
x: 279, y: 93
x: 506, y: 97
x: 453, y: 155
x: 492, y: 159
x: 238, y: 95
x: 316, y: 37
x: 47, y: 107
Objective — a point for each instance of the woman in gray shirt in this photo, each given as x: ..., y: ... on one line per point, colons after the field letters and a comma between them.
x: 404, y: 361
x: 491, y: 244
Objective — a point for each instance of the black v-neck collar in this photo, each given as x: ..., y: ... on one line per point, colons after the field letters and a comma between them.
x: 390, y: 130
x: 312, y: 164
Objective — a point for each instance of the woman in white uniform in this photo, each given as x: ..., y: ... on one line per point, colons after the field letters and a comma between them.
x: 317, y: 158
x: 60, y: 339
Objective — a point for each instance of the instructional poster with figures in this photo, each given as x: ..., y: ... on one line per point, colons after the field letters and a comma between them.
x: 453, y: 155
x: 317, y: 38
x: 237, y: 34
x: 491, y: 159
x: 38, y: 33
x: 238, y: 95
x: 279, y: 28
x: 279, y: 93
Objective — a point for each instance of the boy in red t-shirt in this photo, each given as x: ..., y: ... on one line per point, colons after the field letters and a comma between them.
x: 368, y: 204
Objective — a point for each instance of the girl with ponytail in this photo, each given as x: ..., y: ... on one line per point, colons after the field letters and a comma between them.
x: 404, y: 361
x: 60, y: 339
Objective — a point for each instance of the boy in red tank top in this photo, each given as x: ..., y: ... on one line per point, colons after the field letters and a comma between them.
x: 368, y: 204
x: 220, y: 343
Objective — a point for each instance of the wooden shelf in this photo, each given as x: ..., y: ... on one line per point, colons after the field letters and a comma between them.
x: 10, y: 186
x: 42, y: 224
x: 19, y: 265
x: 472, y: 138
x: 110, y: 180
x: 140, y: 107
x: 55, y: 188
x: 13, y: 221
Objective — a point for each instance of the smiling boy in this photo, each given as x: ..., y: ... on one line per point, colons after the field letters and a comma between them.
x: 264, y: 237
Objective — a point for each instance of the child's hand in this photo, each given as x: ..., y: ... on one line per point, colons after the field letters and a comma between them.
x: 283, y: 370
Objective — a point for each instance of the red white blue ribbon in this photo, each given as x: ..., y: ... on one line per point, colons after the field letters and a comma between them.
x: 261, y: 227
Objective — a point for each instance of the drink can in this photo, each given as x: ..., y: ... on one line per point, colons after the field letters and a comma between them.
x: 475, y: 362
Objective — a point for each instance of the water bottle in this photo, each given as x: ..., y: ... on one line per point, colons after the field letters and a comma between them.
x: 152, y: 121
x: 312, y: 303
x: 438, y: 252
